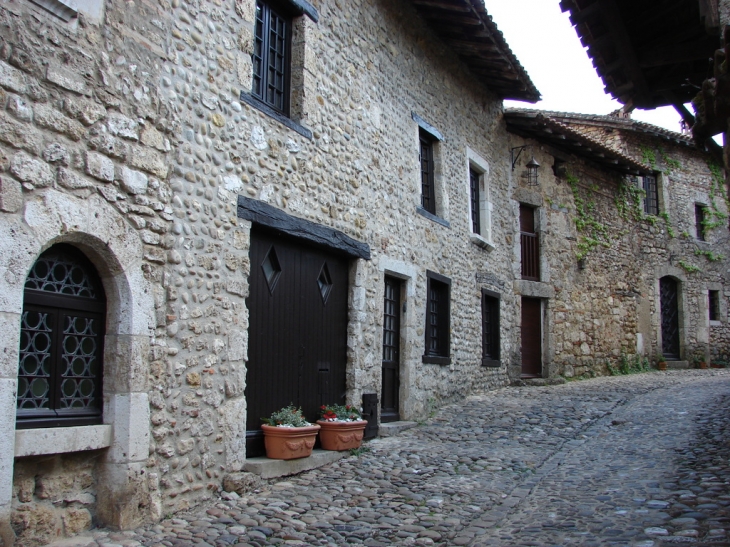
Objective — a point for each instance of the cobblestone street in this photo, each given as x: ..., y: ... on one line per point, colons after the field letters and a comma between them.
x: 638, y: 460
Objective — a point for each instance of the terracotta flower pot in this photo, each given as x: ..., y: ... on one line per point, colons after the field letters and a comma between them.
x: 341, y: 435
x: 703, y: 364
x: 289, y: 443
x: 717, y: 365
x: 661, y: 365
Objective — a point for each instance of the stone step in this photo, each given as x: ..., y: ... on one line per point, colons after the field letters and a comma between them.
x: 266, y: 468
x: 539, y: 382
x: 677, y: 365
x: 391, y: 429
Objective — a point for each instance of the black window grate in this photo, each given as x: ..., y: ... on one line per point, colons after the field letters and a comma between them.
x: 61, y: 342
x: 651, y: 197
x: 490, y: 327
x: 714, y: 305
x: 428, y: 198
x: 271, y: 57
x: 700, y: 216
x: 474, y: 195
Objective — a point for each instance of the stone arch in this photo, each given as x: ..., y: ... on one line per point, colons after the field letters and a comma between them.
x: 115, y: 249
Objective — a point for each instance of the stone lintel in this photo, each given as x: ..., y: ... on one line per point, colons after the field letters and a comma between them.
x: 60, y: 440
x: 266, y: 215
x: 534, y: 289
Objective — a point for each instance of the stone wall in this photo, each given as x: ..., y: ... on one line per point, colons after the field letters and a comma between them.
x: 607, y: 305
x: 136, y: 117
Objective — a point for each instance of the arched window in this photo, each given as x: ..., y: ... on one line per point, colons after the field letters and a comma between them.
x: 61, y: 342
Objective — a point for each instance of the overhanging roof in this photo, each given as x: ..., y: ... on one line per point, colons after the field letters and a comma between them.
x: 467, y: 29
x: 647, y: 53
x: 543, y: 127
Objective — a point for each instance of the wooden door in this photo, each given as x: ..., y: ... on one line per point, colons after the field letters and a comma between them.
x: 297, y: 349
x: 389, y: 404
x: 531, y: 337
x: 668, y: 298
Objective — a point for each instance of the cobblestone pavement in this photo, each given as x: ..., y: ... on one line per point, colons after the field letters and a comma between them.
x: 640, y: 460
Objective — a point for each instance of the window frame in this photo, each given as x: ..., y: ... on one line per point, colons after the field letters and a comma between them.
x: 437, y: 339
x: 713, y: 305
x: 57, y: 305
x: 476, y: 165
x: 270, y: 9
x: 651, y: 194
x: 491, y: 305
x: 700, y: 220
x: 428, y: 172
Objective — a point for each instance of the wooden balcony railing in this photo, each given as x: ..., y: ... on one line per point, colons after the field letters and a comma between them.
x: 530, y: 256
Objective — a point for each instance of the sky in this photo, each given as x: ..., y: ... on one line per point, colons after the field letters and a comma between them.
x: 547, y: 46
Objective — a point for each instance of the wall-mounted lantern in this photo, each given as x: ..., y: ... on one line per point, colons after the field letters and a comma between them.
x: 532, y: 165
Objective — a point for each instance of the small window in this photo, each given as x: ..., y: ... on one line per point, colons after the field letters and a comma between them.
x: 490, y: 328
x: 437, y: 320
x: 714, y: 305
x: 61, y: 342
x: 428, y: 188
x: 474, y: 197
x: 700, y: 221
x: 529, y: 244
x: 272, y: 57
x: 651, y: 195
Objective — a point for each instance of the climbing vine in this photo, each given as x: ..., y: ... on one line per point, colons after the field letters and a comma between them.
x: 709, y: 255
x: 689, y: 268
x: 593, y: 233
x: 716, y: 218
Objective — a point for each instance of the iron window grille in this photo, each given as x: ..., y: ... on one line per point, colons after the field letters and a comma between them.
x: 529, y: 244
x: 490, y: 327
x: 651, y: 195
x: 438, y: 309
x: 61, y: 342
x: 700, y: 219
x: 428, y: 194
x: 272, y: 56
x: 474, y: 196
x: 714, y: 305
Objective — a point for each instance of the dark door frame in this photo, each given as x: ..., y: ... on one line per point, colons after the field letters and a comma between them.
x: 392, y: 342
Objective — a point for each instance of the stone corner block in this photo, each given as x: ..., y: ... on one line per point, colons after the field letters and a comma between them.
x: 11, y: 195
x: 242, y: 482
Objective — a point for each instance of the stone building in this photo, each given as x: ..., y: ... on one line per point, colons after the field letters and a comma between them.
x: 632, y: 222
x: 214, y: 207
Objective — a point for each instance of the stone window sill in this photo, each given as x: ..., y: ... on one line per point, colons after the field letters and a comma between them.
x: 714, y: 323
x: 430, y: 216
x: 492, y: 363
x: 436, y: 360
x: 60, y: 440
x: 482, y: 242
x: 278, y: 116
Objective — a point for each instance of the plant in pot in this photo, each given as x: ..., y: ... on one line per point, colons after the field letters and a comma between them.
x: 342, y: 427
x: 288, y: 435
x: 661, y: 363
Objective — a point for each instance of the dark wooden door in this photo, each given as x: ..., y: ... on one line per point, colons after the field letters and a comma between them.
x: 297, y: 347
x: 391, y: 351
x: 531, y: 338
x: 670, y: 317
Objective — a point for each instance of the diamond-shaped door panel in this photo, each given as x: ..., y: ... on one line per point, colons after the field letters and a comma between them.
x: 325, y: 282
x: 271, y: 268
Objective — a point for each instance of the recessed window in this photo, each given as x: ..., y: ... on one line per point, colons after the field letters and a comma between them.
x: 529, y: 244
x: 272, y: 56
x: 324, y: 280
x: 714, y: 305
x: 700, y: 221
x: 428, y: 189
x: 490, y: 328
x: 438, y: 326
x: 61, y: 342
x: 474, y: 198
x: 271, y: 269
x: 651, y: 194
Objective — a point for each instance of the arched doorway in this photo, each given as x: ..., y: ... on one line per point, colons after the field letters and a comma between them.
x: 669, y: 306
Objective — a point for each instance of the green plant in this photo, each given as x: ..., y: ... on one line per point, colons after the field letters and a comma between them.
x: 593, y: 233
x: 289, y: 416
x: 709, y: 255
x: 689, y: 268
x: 628, y: 365
x: 357, y: 452
x: 339, y: 413
x: 648, y: 156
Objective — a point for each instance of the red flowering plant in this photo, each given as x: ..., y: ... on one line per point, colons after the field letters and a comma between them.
x: 339, y: 413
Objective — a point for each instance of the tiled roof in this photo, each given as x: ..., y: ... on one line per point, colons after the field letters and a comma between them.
x: 468, y: 30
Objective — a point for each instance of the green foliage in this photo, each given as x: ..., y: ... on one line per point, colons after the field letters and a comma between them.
x: 670, y: 230
x: 670, y: 163
x: 648, y: 156
x: 357, y: 452
x: 289, y: 416
x: 339, y: 413
x: 592, y: 232
x: 628, y: 365
x: 709, y: 255
x: 689, y: 268
x: 715, y: 217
